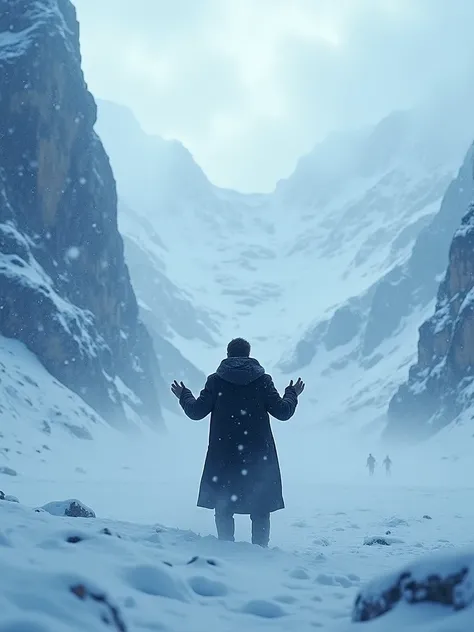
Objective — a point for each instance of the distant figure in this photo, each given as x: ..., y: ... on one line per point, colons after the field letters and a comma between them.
x: 371, y: 464
x: 241, y: 473
x: 388, y: 465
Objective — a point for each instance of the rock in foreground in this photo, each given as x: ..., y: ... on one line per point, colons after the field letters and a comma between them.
x: 72, y: 508
x: 444, y: 580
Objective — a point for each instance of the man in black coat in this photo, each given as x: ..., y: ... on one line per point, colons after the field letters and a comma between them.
x: 241, y: 473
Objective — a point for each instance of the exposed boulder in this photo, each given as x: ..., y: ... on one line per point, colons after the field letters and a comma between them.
x: 440, y: 579
x: 66, y: 291
x: 72, y: 508
x: 8, y: 497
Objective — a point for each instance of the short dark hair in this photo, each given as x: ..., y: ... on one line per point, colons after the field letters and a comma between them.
x: 238, y: 348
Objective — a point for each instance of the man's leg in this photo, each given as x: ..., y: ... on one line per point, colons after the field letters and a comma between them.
x: 260, y: 529
x: 225, y: 524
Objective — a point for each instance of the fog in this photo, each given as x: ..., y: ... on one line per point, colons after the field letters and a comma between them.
x: 268, y: 227
x: 250, y: 86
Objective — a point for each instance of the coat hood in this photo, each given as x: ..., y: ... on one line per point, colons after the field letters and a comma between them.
x: 241, y: 371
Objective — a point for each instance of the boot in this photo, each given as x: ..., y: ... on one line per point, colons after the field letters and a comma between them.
x: 260, y: 529
x: 225, y: 526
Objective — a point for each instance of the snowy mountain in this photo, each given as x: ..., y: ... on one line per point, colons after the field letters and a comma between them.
x: 66, y: 291
x: 440, y: 383
x: 326, y: 275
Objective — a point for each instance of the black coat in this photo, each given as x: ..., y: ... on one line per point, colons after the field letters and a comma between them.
x: 241, y: 473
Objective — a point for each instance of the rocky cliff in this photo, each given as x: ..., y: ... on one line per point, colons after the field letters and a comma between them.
x: 64, y: 286
x: 441, y: 383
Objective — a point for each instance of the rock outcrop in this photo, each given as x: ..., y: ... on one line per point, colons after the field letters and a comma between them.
x: 441, y: 581
x: 64, y: 286
x: 440, y: 384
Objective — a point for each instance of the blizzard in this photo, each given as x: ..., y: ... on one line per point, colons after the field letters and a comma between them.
x: 149, y: 560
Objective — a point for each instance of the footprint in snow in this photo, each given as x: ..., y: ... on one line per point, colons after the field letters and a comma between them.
x: 286, y: 599
x: 396, y: 522
x: 333, y: 580
x: 321, y: 542
x: 301, y: 524
x: 264, y: 609
x: 299, y: 573
x: 325, y: 580
x: 157, y: 581
x: 205, y: 587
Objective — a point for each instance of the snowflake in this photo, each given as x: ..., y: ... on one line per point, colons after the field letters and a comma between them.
x: 219, y: 394
x: 244, y: 472
x: 73, y: 253
x: 215, y: 479
x: 246, y: 432
x: 82, y: 181
x: 243, y: 412
x: 240, y: 447
x: 234, y: 498
x: 265, y: 458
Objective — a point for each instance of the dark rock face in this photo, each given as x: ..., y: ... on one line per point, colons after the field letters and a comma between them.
x: 64, y: 286
x: 439, y: 385
x: 447, y: 582
x: 343, y: 327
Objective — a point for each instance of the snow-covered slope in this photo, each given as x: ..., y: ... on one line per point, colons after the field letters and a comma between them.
x: 43, y: 425
x: 276, y: 268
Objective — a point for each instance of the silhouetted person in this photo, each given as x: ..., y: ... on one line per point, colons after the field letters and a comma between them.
x: 388, y: 465
x: 241, y: 473
x: 371, y: 464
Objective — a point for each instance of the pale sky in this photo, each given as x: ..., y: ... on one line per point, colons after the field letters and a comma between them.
x: 250, y: 85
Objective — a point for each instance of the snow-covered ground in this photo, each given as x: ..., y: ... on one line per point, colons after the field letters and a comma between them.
x: 320, y: 554
x: 143, y: 491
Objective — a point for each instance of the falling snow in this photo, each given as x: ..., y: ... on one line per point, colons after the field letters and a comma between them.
x: 73, y: 253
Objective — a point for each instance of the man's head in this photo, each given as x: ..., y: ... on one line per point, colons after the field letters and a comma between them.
x: 238, y: 348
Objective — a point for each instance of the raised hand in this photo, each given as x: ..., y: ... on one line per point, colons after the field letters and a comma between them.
x: 299, y: 386
x: 177, y: 389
